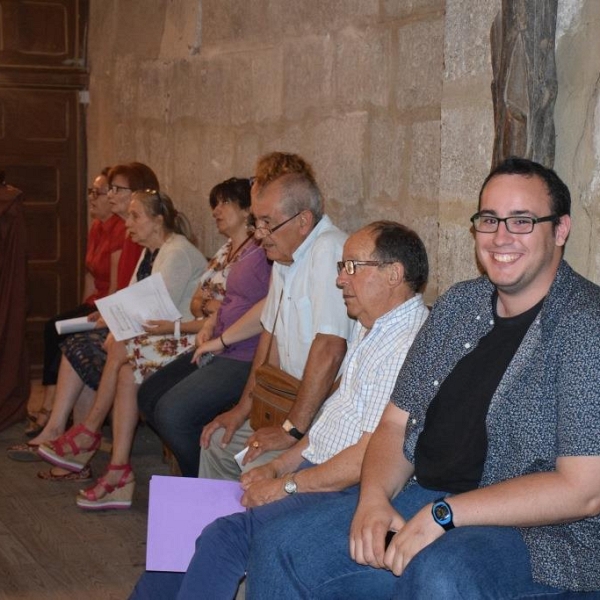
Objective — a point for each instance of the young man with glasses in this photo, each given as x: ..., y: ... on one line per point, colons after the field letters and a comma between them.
x: 384, y: 269
x: 304, y: 310
x: 482, y: 479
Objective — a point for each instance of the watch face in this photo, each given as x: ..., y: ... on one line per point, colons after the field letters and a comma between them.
x: 441, y: 513
x: 290, y: 487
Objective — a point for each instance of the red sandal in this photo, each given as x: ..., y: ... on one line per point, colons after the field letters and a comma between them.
x: 117, y: 496
x: 64, y: 452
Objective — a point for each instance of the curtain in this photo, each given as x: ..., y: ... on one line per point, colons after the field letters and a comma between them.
x: 14, y: 366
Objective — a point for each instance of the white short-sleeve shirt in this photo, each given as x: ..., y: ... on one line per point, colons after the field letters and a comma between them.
x: 311, y: 303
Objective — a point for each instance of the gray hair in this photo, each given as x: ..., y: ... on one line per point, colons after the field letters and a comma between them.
x: 299, y: 192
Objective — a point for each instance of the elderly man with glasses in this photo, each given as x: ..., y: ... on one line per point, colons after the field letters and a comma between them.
x: 304, y: 312
x: 482, y: 479
x: 384, y: 269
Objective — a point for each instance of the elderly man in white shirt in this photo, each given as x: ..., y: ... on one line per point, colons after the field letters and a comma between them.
x: 310, y: 331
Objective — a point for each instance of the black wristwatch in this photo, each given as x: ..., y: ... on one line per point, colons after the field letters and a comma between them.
x: 288, y: 427
x: 442, y: 514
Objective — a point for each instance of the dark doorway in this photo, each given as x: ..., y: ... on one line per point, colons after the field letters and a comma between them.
x: 43, y: 78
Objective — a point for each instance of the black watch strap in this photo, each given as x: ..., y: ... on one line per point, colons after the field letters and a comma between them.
x: 288, y: 427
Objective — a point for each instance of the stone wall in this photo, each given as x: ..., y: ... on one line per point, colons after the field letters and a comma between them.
x: 389, y: 99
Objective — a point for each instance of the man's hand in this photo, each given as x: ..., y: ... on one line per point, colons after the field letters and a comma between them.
x: 266, y: 439
x: 371, y: 522
x: 261, y: 473
x: 231, y: 421
x: 264, y: 492
x: 417, y: 533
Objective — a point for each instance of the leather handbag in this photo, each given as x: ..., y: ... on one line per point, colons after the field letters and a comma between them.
x: 274, y: 391
x: 273, y: 396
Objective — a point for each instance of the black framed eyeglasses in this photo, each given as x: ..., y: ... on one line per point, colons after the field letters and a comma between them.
x: 350, y: 265
x: 115, y: 189
x: 520, y: 225
x: 94, y: 192
x: 266, y: 230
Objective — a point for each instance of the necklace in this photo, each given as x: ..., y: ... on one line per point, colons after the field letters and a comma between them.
x: 232, y: 255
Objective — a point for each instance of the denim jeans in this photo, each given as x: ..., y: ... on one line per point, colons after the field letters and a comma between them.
x: 221, y: 556
x: 304, y: 554
x: 180, y: 399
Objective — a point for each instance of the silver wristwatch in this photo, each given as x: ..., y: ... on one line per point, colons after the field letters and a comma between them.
x: 290, y: 486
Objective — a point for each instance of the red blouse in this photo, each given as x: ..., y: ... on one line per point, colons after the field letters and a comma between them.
x: 128, y: 261
x: 104, y: 238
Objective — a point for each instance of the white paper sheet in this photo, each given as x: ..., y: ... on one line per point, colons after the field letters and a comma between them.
x: 74, y: 325
x: 127, y: 310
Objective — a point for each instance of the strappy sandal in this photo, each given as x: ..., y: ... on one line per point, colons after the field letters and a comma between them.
x: 50, y: 475
x: 117, y: 496
x: 64, y: 452
x: 35, y: 426
x: 23, y: 453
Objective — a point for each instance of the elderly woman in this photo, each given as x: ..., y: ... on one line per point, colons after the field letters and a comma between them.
x: 154, y: 223
x: 105, y: 242
x: 79, y: 385
x: 247, y: 275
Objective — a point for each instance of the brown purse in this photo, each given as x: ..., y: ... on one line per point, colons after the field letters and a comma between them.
x: 273, y: 396
x: 274, y: 391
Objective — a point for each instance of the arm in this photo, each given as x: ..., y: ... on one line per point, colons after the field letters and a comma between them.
x: 570, y: 493
x: 233, y: 419
x: 162, y: 327
x: 245, y: 327
x: 337, y: 473
x: 384, y: 474
x: 88, y: 286
x: 324, y: 360
x: 114, y: 268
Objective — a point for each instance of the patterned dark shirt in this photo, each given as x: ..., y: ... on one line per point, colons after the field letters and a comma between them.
x: 547, y: 404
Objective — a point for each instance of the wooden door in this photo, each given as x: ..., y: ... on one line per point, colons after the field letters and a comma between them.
x: 42, y: 150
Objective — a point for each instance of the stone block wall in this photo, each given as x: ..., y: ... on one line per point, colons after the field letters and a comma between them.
x: 388, y: 99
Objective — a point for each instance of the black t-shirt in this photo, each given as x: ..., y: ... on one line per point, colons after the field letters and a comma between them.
x: 452, y: 447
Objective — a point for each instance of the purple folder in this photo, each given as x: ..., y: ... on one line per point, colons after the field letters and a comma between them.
x: 179, y: 509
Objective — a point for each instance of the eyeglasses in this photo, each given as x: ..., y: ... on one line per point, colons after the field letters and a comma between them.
x: 115, y: 189
x: 266, y: 230
x: 350, y: 265
x: 94, y: 193
x: 519, y: 225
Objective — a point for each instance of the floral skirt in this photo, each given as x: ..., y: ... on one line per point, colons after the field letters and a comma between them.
x: 148, y: 353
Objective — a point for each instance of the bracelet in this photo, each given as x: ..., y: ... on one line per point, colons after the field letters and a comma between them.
x: 177, y: 329
x: 223, y: 342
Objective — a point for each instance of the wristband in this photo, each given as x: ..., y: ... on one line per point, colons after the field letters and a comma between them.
x: 177, y: 329
x: 223, y: 342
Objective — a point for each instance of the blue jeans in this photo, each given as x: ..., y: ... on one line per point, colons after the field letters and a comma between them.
x: 304, y: 554
x: 180, y: 399
x: 221, y: 556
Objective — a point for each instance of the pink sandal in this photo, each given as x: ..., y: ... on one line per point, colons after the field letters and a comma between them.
x: 64, y: 452
x: 111, y: 496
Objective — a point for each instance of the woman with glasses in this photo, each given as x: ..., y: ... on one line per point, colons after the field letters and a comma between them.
x: 112, y: 192
x: 154, y: 223
x: 245, y: 275
x: 105, y: 241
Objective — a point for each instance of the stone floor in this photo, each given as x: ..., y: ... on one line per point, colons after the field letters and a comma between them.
x: 52, y: 550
